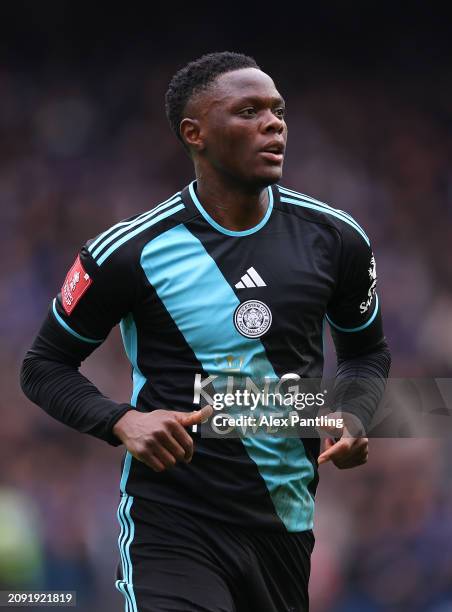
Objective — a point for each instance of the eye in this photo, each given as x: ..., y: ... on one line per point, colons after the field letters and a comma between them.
x: 280, y: 112
x: 250, y: 111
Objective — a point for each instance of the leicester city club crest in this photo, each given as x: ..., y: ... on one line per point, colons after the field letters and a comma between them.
x: 252, y: 318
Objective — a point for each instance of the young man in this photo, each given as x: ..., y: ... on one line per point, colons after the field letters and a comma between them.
x: 234, y: 270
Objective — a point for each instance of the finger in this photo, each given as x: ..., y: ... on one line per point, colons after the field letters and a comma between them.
x: 167, y: 440
x: 164, y: 456
x: 195, y: 417
x: 332, y: 449
x: 329, y: 442
x: 357, y: 455
x: 338, y: 449
x: 155, y: 464
x: 323, y: 458
x: 352, y: 459
x: 151, y: 461
x: 184, y: 439
x: 351, y: 462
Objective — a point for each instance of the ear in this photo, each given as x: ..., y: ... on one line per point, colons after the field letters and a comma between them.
x: 190, y: 130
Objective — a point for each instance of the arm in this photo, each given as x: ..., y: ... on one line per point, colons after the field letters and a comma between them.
x: 51, y: 379
x: 363, y: 355
x: 78, y: 321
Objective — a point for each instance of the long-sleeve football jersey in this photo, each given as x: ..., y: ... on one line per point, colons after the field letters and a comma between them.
x: 194, y: 301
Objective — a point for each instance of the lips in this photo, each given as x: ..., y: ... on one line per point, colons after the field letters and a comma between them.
x: 276, y: 147
x: 273, y: 152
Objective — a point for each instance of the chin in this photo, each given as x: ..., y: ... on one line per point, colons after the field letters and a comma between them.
x: 261, y: 177
x: 269, y: 176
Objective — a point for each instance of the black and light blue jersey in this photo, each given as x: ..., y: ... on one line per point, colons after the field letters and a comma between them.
x: 195, y: 300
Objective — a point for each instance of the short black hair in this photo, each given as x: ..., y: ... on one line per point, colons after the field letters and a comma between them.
x: 197, y: 76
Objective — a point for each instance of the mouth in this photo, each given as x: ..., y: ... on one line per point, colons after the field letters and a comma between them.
x: 273, y: 152
x: 276, y: 158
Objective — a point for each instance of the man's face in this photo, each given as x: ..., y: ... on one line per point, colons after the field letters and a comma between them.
x: 242, y: 132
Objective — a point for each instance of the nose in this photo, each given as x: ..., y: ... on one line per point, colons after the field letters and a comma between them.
x: 272, y: 123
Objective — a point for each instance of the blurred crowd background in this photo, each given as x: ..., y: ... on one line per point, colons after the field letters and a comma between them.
x: 84, y: 143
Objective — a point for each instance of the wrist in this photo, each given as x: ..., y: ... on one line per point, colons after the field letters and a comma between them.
x: 353, y: 425
x: 122, y: 424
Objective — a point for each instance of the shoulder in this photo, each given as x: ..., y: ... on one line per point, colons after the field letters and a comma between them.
x: 313, y: 210
x: 122, y: 242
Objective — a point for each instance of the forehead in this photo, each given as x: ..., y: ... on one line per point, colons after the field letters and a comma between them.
x: 247, y: 79
x: 243, y: 83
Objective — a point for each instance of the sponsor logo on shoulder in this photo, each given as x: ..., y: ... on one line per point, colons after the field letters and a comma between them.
x: 76, y: 283
x: 364, y: 306
x: 252, y: 318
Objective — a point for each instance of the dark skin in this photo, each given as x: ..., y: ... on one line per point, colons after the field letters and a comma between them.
x: 236, y: 134
x: 226, y: 128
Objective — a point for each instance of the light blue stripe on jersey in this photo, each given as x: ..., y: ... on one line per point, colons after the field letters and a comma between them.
x: 302, y: 196
x: 130, y: 340
x: 69, y: 329
x: 222, y: 229
x: 141, y: 217
x: 131, y: 224
x: 202, y: 303
x: 329, y: 211
x: 138, y: 230
x: 360, y: 327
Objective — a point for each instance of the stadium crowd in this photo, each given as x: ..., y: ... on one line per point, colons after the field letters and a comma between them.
x: 78, y: 153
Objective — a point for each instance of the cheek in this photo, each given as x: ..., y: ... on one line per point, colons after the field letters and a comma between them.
x: 231, y: 145
x: 239, y: 143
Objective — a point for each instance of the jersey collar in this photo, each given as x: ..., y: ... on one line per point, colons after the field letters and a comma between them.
x: 190, y: 192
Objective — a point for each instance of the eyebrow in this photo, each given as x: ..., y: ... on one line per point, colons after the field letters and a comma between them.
x: 259, y: 99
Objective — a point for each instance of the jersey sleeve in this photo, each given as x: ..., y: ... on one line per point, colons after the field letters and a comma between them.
x: 354, y: 315
x: 93, y: 298
x: 354, y: 312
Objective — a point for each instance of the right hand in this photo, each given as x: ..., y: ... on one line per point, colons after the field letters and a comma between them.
x: 159, y: 438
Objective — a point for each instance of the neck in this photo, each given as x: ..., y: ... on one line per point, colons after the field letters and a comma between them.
x: 231, y: 205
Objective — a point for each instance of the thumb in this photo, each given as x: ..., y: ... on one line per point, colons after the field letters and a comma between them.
x: 326, y: 455
x: 193, y: 418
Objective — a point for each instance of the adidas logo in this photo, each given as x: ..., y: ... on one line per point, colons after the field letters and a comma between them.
x: 250, y: 279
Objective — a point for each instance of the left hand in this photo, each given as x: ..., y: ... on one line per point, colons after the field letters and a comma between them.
x: 349, y: 451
